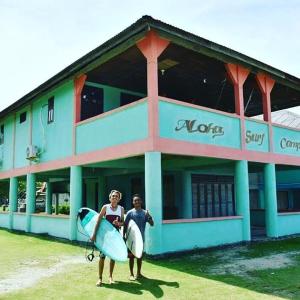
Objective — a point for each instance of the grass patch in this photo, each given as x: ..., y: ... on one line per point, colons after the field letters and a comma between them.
x: 185, y: 277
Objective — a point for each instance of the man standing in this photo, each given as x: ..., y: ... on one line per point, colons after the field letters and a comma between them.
x: 140, y: 217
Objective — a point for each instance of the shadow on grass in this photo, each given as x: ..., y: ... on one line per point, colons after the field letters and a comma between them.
x: 145, y: 284
x: 283, y: 282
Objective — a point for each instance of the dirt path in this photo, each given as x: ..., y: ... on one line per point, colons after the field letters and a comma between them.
x: 240, y: 266
x: 30, y: 273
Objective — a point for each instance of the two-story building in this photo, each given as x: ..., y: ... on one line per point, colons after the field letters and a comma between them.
x: 167, y: 114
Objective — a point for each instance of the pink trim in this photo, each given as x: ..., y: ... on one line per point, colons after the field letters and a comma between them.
x: 196, y: 220
x: 164, y: 99
x: 113, y: 111
x: 289, y: 213
x: 171, y: 146
x: 110, y: 153
x: 78, y: 86
x: 43, y: 215
x: 285, y: 127
x: 238, y: 76
x: 266, y: 85
x: 151, y: 47
x: 19, y: 213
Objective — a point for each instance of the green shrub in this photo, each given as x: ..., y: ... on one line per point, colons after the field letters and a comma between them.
x: 64, y: 209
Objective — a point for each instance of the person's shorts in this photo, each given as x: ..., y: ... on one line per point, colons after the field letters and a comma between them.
x: 130, y: 254
x: 101, y: 255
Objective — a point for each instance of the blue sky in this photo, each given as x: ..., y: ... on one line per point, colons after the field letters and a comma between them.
x: 41, y: 37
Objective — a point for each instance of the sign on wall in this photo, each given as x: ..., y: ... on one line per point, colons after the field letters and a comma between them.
x: 199, y: 126
x: 256, y: 136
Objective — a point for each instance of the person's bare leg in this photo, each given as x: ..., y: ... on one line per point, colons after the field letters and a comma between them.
x: 139, y: 267
x: 111, y: 270
x: 101, y: 266
x: 131, y: 266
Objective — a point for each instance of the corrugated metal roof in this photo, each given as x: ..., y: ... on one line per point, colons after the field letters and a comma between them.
x: 287, y: 118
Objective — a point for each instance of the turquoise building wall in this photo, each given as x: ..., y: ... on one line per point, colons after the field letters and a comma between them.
x: 22, y: 138
x: 56, y: 226
x: 55, y: 139
x: 131, y: 124
x: 256, y: 136
x: 7, y: 147
x: 286, y: 141
x: 204, y: 127
x: 288, y: 223
x: 119, y: 127
x: 201, y: 234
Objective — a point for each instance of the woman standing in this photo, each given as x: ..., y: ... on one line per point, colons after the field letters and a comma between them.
x: 113, y: 213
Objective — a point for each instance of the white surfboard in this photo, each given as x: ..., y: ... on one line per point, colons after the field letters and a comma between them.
x: 134, y: 239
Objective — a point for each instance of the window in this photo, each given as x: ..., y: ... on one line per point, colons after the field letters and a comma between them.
x: 2, y: 134
x: 126, y: 98
x: 170, y: 210
x: 282, y: 201
x: 91, y: 102
x: 23, y: 117
x: 212, y: 196
x: 50, y: 110
x: 288, y: 200
x: 296, y: 199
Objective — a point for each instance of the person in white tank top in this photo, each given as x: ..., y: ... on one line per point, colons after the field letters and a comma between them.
x: 114, y: 214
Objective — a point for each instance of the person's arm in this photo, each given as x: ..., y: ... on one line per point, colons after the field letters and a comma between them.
x: 126, y: 224
x: 101, y: 215
x: 121, y: 223
x: 149, y: 218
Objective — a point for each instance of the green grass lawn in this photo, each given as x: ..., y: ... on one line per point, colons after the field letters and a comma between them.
x: 267, y: 270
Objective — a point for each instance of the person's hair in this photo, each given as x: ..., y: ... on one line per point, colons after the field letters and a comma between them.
x: 137, y: 196
x: 115, y: 191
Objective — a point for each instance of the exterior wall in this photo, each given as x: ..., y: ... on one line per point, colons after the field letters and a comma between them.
x: 202, y: 234
x: 119, y: 127
x: 7, y: 147
x: 257, y: 136
x: 19, y: 222
x: 22, y: 138
x: 286, y: 141
x: 56, y: 226
x: 288, y: 223
x: 4, y: 220
x: 208, y: 127
x: 55, y: 137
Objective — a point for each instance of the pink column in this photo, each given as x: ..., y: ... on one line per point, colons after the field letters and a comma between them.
x: 152, y: 46
x: 78, y: 86
x: 238, y: 76
x: 266, y: 85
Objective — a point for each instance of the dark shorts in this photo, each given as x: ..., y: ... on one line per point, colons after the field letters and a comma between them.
x: 130, y: 254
